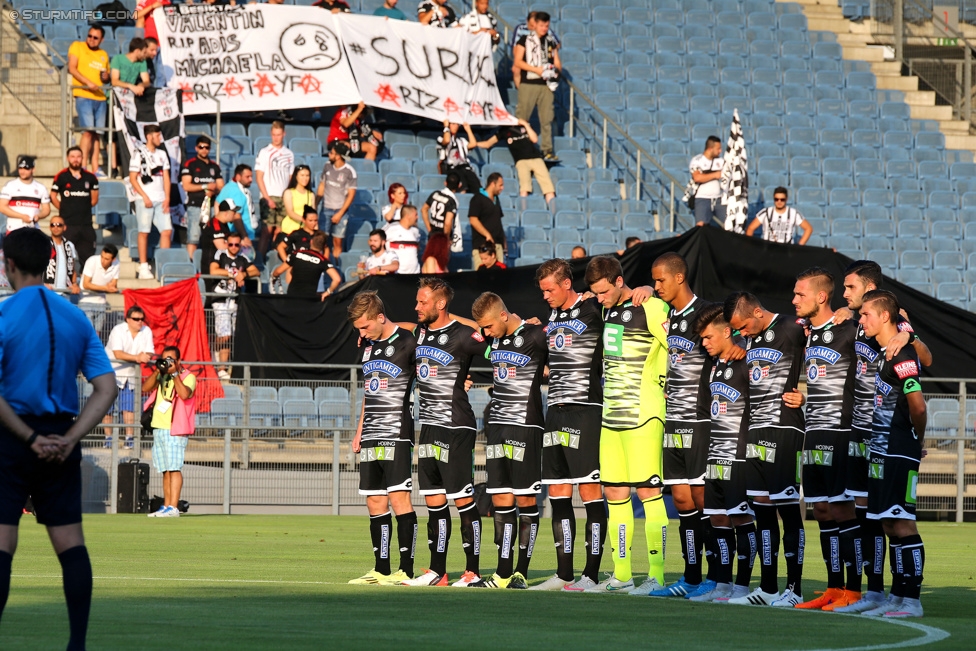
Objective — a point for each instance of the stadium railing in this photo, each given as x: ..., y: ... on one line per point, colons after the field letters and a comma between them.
x: 286, y: 446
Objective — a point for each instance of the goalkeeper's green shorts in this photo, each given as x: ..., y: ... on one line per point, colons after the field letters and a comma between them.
x: 633, y: 457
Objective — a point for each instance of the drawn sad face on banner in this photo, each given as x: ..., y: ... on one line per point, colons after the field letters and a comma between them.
x: 310, y: 47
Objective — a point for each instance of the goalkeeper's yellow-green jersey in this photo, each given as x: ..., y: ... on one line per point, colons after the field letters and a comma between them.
x: 635, y: 363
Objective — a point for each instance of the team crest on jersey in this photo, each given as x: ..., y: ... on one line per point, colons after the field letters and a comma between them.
x: 626, y: 316
x: 675, y: 358
x: 683, y: 326
x: 828, y: 337
x: 574, y: 313
x: 442, y: 339
x: 728, y: 374
x: 425, y: 370
x: 389, y: 351
x: 504, y: 372
x: 561, y: 340
x: 719, y: 408
x: 862, y: 367
x: 375, y: 384
x: 816, y: 371
x: 770, y: 335
x: 758, y: 373
x: 518, y: 342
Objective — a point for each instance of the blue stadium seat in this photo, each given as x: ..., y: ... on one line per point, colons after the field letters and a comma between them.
x: 536, y: 249
x: 570, y: 219
x: 950, y: 260
x: 916, y: 260
x: 897, y: 110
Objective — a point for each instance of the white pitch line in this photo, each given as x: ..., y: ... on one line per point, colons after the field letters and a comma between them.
x: 932, y: 634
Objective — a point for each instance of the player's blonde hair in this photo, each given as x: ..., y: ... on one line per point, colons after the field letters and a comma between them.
x: 368, y: 304
x: 487, y: 303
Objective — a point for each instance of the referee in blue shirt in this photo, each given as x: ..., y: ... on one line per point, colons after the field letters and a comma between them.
x: 44, y: 342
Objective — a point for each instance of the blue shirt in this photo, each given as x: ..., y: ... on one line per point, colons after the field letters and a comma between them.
x: 394, y: 13
x: 44, y: 342
x: 233, y: 190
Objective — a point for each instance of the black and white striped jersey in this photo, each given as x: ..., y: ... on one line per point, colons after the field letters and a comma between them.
x: 688, y: 366
x: 518, y: 361
x: 775, y: 358
x: 728, y: 385
x: 388, y: 372
x: 779, y: 227
x: 575, y: 341
x: 830, y: 368
x: 868, y: 353
x: 443, y: 359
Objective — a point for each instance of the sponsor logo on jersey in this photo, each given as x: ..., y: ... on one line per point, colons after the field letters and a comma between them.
x: 509, y: 357
x: 375, y: 384
x: 865, y: 351
x: 477, y: 336
x: 822, y: 352
x: 382, y: 366
x: 881, y: 385
x: 367, y: 353
x: 560, y: 340
x: 815, y: 371
x: 724, y: 390
x: 906, y: 369
x: 441, y: 357
x: 575, y: 325
x: 770, y: 355
x: 681, y: 343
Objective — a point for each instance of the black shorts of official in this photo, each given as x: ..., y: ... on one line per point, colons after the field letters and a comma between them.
x: 725, y: 488
x: 384, y: 467
x: 773, y: 463
x: 857, y: 463
x: 892, y: 486
x: 825, y: 466
x: 513, y: 458
x: 446, y: 461
x: 54, y: 488
x: 685, y: 452
x: 571, y: 444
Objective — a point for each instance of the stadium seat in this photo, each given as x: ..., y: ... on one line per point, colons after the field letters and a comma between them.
x: 568, y: 219
x: 916, y: 260
x: 537, y: 218
x: 537, y: 249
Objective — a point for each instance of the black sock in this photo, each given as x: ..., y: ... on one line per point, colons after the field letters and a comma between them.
x: 689, y: 528
x: 894, y: 562
x: 850, y: 553
x: 528, y: 530
x: 438, y: 535
x: 407, y: 539
x: 705, y: 529
x: 76, y: 570
x: 874, y: 548
x: 506, y: 520
x: 380, y: 530
x: 912, y: 564
x: 830, y: 547
x: 767, y: 527
x: 794, y: 541
x: 6, y: 561
x: 745, y: 546
x: 564, y: 534
x: 471, y: 537
x: 596, y: 536
x: 725, y: 541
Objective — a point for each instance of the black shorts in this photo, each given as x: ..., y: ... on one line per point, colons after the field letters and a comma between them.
x: 446, y: 461
x: 685, y: 452
x: 54, y: 488
x: 892, y: 484
x: 513, y: 459
x: 825, y: 466
x: 725, y: 488
x: 857, y: 463
x: 773, y: 463
x: 571, y: 444
x: 384, y: 467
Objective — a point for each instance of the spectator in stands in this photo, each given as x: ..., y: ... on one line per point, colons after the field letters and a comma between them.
x: 436, y: 13
x: 437, y: 254
x: 335, y: 6
x: 389, y: 9
x: 485, y: 215
x: 479, y: 20
x: 398, y: 196
x: 706, y: 172
x: 173, y: 422
x: 779, y: 221
x: 349, y: 125
x: 404, y: 240
x: 489, y: 259
x: 273, y: 167
x: 337, y: 189
x: 631, y: 241
x: 521, y: 140
x: 297, y: 197
x: 130, y: 70
x: 130, y: 344
x: 213, y: 237
x: 295, y: 241
x: 149, y: 178
x: 202, y: 181
x: 153, y: 67
x: 62, y: 269
x: 523, y: 29
x: 537, y: 58
x: 88, y: 66
x: 23, y: 200
x: 99, y: 276
x: 382, y: 261
x: 74, y: 193
x: 441, y: 209
x: 145, y: 18
x: 307, y: 267
x: 577, y: 253
x: 452, y: 151
x: 237, y: 268
x: 238, y: 193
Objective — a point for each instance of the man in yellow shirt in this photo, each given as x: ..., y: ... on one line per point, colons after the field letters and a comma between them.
x: 88, y: 65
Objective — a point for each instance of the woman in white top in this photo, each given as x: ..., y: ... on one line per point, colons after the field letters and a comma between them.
x: 398, y: 198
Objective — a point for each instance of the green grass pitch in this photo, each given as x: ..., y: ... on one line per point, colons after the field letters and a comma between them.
x: 278, y: 582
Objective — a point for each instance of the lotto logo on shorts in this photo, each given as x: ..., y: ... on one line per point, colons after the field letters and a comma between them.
x: 761, y: 452
x: 565, y: 439
x: 875, y: 471
x: 430, y: 451
x: 818, y: 458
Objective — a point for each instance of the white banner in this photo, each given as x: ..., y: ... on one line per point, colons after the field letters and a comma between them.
x: 434, y: 73
x: 254, y: 57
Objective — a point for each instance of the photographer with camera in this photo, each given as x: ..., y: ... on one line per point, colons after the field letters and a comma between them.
x: 174, y: 414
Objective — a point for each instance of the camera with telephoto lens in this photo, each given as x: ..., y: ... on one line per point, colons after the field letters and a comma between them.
x: 163, y: 364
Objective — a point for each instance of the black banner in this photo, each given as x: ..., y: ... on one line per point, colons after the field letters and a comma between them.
x: 290, y: 330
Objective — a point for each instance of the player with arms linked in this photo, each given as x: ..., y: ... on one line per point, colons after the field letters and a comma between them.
x: 384, y: 437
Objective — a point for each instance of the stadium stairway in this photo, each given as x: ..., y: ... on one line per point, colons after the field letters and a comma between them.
x: 856, y: 38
